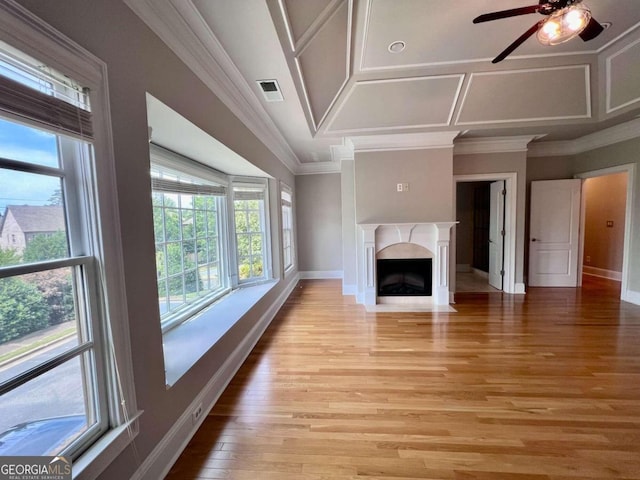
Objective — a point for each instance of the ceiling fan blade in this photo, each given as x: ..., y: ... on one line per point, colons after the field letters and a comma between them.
x: 520, y: 40
x: 487, y: 17
x: 591, y: 31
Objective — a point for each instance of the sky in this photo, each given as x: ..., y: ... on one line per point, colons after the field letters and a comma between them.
x: 26, y: 144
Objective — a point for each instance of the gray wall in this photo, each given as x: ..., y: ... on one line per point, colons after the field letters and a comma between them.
x: 605, y: 200
x: 548, y: 168
x: 138, y: 62
x: 319, y: 222
x: 428, y: 173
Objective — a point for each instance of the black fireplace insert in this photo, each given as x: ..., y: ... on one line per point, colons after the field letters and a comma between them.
x: 404, y: 277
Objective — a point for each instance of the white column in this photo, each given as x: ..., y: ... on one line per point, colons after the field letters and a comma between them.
x: 441, y: 268
x: 368, y: 277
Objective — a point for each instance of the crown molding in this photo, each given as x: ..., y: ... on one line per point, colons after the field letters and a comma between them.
x: 181, y: 27
x: 339, y: 153
x: 402, y: 141
x: 317, y: 168
x: 342, y: 152
x: 468, y: 146
x: 608, y: 136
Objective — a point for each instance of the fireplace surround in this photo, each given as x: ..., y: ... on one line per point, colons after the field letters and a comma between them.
x: 427, y: 240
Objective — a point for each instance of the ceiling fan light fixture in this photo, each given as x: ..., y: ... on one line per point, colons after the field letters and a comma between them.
x: 564, y: 25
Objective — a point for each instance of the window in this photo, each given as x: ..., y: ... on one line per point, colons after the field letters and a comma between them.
x: 250, y: 226
x: 200, y: 215
x: 189, y: 227
x: 54, y: 400
x: 286, y: 200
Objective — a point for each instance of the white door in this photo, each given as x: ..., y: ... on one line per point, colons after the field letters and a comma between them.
x: 496, y: 235
x: 554, y: 233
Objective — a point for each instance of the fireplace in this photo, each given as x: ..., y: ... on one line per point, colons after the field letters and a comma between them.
x: 427, y: 241
x: 404, y: 277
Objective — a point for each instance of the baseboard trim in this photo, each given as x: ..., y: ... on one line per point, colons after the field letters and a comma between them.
x: 602, y: 272
x: 320, y: 274
x: 167, y: 452
x: 349, y: 289
x: 631, y: 297
x: 520, y: 289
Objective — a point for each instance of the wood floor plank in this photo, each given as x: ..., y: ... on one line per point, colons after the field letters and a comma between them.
x: 538, y: 387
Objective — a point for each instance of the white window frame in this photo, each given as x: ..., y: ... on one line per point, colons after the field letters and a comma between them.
x: 27, y: 33
x: 251, y: 182
x: 83, y: 264
x: 174, y: 162
x: 286, y: 189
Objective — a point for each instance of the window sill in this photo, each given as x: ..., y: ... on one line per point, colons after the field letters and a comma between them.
x: 185, y: 344
x: 93, y: 462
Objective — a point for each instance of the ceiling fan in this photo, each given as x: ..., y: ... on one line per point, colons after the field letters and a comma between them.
x: 566, y: 20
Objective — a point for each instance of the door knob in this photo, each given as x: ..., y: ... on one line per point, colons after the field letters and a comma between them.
x: 534, y: 239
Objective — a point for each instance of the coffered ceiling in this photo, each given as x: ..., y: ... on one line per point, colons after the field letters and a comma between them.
x: 340, y: 80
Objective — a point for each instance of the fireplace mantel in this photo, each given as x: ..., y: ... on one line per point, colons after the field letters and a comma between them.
x: 373, y: 237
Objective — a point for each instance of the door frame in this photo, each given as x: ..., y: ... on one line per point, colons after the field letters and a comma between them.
x: 630, y: 170
x: 510, y: 206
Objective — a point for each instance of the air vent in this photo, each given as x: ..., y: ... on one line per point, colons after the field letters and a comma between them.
x: 271, y: 90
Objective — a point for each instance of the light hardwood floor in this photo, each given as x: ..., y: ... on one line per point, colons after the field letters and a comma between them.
x: 538, y: 387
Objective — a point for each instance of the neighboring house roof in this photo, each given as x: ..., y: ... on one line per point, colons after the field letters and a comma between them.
x: 30, y: 218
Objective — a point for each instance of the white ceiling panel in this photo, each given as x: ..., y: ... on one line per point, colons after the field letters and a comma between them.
x: 398, y: 104
x: 302, y: 14
x: 324, y: 63
x: 339, y: 80
x: 527, y: 95
x: 623, y: 78
x: 436, y: 33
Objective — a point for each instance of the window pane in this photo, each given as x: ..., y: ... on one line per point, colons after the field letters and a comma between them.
x: 241, y: 222
x: 254, y: 222
x: 200, y: 219
x: 256, y: 245
x: 33, y: 226
x: 212, y: 223
x: 48, y: 412
x: 186, y: 249
x: 158, y: 226
x: 28, y: 144
x: 171, y: 224
x: 201, y: 252
x: 243, y: 245
x: 188, y: 229
x: 173, y: 253
x: 249, y: 238
x: 213, y: 250
x: 244, y: 268
x: 163, y: 296
x: 37, y: 311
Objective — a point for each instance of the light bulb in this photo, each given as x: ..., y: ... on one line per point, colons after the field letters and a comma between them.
x: 575, y: 20
x: 551, y: 29
x: 564, y: 24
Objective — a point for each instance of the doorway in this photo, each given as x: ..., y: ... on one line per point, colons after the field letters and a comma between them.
x: 613, y: 259
x: 606, y: 224
x: 484, y: 238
